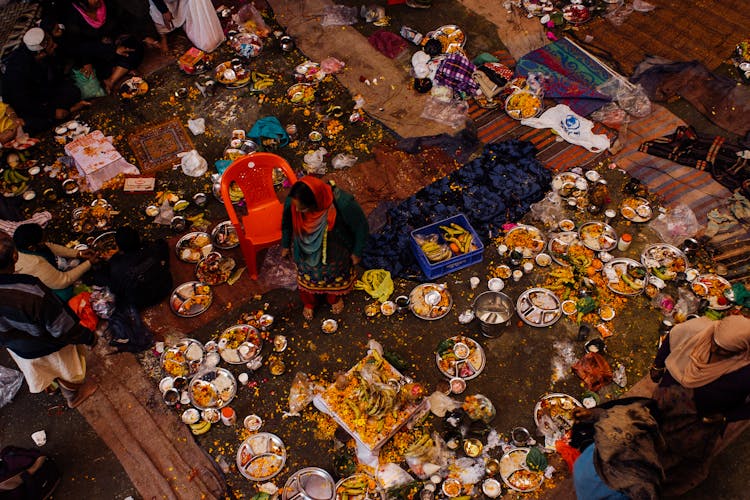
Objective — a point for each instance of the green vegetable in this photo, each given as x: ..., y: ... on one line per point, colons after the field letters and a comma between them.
x: 661, y: 273
x: 632, y: 284
x: 585, y: 305
x: 445, y: 345
x: 712, y: 314
x: 536, y: 460
x: 395, y: 360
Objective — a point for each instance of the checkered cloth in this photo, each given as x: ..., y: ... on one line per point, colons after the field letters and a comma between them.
x: 455, y: 71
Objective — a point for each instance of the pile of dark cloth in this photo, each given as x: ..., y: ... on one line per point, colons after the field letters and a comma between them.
x: 490, y: 190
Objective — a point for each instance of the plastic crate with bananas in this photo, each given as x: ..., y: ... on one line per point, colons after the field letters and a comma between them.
x: 446, y: 246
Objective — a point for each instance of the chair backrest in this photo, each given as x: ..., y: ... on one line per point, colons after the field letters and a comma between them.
x: 254, y: 176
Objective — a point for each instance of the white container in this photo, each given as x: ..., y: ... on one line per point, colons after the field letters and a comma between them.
x: 517, y: 275
x: 40, y: 438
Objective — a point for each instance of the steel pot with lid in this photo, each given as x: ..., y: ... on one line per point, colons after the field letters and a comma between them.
x: 494, y: 311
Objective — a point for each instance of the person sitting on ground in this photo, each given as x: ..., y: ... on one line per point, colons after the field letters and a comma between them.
x: 325, y: 230
x: 35, y: 86
x: 41, y: 333
x: 169, y: 15
x: 12, y: 135
x: 38, y: 257
x: 703, y: 371
x: 106, y: 39
x: 138, y: 274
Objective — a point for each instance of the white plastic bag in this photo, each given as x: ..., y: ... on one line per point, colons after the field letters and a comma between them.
x: 193, y: 164
x: 676, y: 225
x: 202, y: 25
x: 197, y: 126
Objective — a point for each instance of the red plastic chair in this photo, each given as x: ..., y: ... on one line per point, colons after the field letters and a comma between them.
x: 261, y: 227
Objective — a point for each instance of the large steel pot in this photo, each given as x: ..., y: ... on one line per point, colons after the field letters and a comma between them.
x: 494, y: 311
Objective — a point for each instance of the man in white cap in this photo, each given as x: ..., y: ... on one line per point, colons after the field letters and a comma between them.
x: 34, y: 85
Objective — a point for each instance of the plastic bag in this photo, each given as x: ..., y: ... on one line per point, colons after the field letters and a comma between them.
x: 391, y: 475
x: 331, y: 65
x: 677, y: 224
x: 314, y: 161
x: 339, y: 15
x: 193, y: 164
x: 343, y: 160
x: 202, y: 26
x: 479, y: 407
x: 300, y: 394
x: 102, y: 302
x: 620, y: 14
x: 441, y: 403
x: 453, y: 113
x: 687, y: 303
x: 10, y: 381
x: 197, y: 126
x: 250, y: 17
x: 631, y: 98
x: 88, y: 85
x: 611, y: 115
x: 278, y: 271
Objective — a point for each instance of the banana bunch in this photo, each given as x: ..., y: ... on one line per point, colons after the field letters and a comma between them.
x: 435, y: 252
x: 420, y: 447
x: 354, y: 488
x: 14, y: 182
x: 200, y: 427
x: 381, y: 401
x: 235, y: 193
x: 261, y: 81
x: 459, y: 236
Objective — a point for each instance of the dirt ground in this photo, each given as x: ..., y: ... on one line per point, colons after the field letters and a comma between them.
x: 521, y: 364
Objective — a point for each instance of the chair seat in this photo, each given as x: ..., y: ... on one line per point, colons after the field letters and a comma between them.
x: 262, y: 229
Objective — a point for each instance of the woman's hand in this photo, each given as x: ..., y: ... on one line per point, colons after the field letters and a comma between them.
x: 356, y: 259
x: 167, y: 18
x: 123, y: 50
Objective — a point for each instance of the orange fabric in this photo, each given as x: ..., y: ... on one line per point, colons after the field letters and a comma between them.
x: 81, y: 305
x: 567, y: 452
x: 308, y: 222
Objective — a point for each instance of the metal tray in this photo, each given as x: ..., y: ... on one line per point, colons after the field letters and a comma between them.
x: 310, y: 483
x: 105, y: 245
x: 346, y: 483
x: 559, y: 244
x: 188, y: 241
x: 220, y: 381
x: 422, y: 309
x: 622, y: 264
x: 186, y: 292
x: 537, y: 238
x: 515, y: 460
x: 261, y: 447
x: 664, y: 254
x: 475, y: 361
x: 606, y: 241
x: 205, y: 275
x: 716, y: 286
x: 534, y: 315
x: 184, y: 357
x: 563, y: 417
x: 224, y: 236
x: 564, y: 178
x: 231, y: 354
x: 631, y: 214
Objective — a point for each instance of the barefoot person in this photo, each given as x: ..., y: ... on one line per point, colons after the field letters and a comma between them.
x: 41, y: 333
x: 325, y: 230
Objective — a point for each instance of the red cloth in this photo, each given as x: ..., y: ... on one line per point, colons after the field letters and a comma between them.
x: 81, y: 305
x: 308, y: 222
x: 389, y: 44
x: 567, y: 452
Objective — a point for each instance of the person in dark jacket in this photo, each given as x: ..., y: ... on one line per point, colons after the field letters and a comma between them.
x: 41, y: 333
x: 35, y: 86
x: 138, y: 274
x: 325, y: 230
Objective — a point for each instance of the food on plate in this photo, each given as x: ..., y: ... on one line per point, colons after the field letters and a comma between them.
x: 576, y: 13
x: 329, y: 326
x: 664, y: 261
x: 569, y: 307
x: 460, y: 356
x: 554, y: 414
x: 214, y: 269
x: 357, y: 487
x: 265, y: 466
x: 387, y: 308
x: 625, y: 276
x: 567, y: 225
x: 715, y: 289
x: 300, y: 93
x: 525, y: 480
x: 598, y: 236
x: 133, y: 87
x: 430, y: 301
x: 526, y: 238
x: 523, y: 104
x: 189, y: 246
x: 544, y: 300
x: 203, y: 393
x: 175, y: 363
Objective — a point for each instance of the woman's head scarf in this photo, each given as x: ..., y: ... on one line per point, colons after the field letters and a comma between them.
x: 311, y: 227
x: 690, y: 344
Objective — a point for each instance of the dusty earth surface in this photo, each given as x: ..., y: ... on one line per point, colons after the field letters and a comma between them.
x: 522, y: 364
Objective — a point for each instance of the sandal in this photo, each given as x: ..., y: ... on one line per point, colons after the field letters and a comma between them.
x: 307, y: 313
x: 338, y: 307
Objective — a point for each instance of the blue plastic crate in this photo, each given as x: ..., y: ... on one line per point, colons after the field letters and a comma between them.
x: 437, y: 269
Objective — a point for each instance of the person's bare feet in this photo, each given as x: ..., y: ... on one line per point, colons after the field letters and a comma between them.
x: 307, y: 313
x: 338, y: 307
